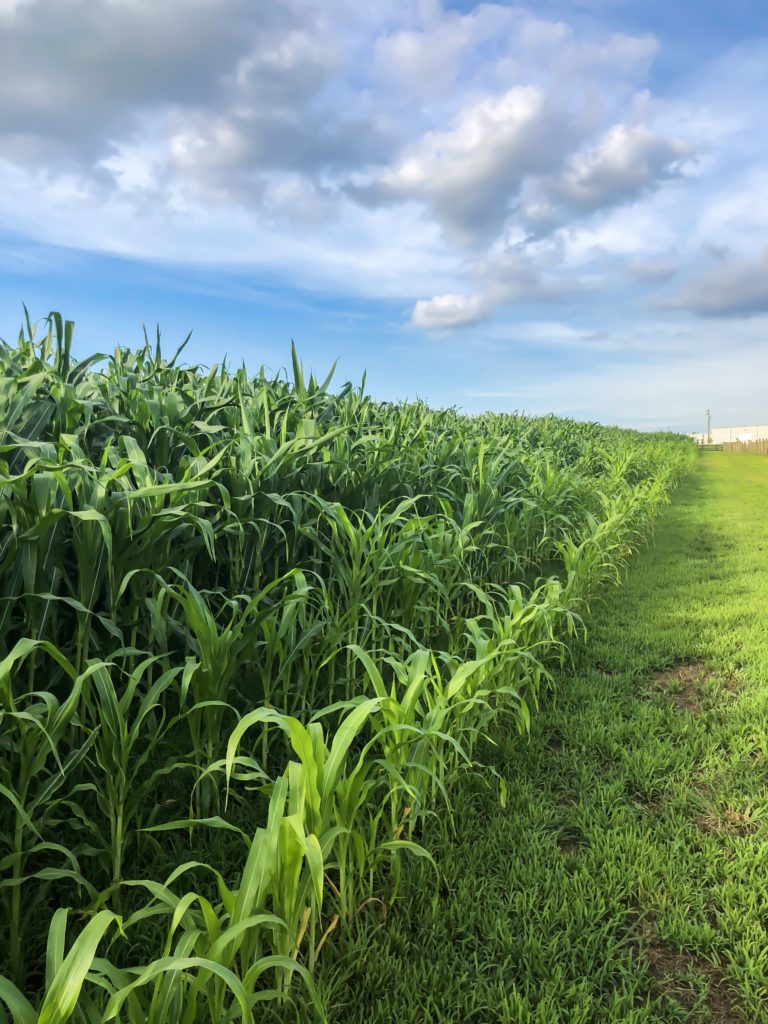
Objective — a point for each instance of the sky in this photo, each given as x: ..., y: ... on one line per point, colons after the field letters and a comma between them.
x: 549, y: 207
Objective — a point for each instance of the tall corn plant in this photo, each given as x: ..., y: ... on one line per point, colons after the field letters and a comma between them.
x: 38, y: 787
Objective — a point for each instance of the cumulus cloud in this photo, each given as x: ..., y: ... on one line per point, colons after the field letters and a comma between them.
x: 624, y: 163
x: 449, y: 311
x: 461, y: 162
x: 468, y: 174
x: 220, y: 82
x: 529, y: 154
x: 213, y: 100
x: 76, y: 72
x: 627, y: 162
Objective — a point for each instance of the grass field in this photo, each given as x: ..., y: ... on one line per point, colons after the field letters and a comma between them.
x: 627, y: 878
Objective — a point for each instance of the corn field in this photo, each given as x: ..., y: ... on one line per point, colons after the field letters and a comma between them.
x: 251, y: 628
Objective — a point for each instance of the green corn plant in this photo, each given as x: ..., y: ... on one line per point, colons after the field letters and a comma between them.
x: 312, y: 830
x: 42, y: 754
x: 218, y: 653
x: 416, y: 747
x: 128, y: 725
x: 64, y: 973
x: 237, y: 940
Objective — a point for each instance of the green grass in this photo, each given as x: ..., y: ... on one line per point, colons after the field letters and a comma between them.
x: 626, y: 880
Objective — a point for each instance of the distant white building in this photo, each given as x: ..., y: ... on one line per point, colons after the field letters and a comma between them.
x: 725, y: 435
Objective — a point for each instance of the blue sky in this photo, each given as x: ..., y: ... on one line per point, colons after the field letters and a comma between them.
x: 551, y: 207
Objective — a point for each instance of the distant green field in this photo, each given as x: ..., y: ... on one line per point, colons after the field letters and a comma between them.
x: 627, y: 878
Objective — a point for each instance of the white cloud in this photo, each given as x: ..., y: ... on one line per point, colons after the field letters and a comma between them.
x: 627, y: 160
x: 232, y: 93
x: 462, y: 164
x: 468, y: 174
x: 449, y: 311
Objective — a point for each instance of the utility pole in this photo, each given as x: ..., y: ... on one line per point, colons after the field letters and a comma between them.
x: 709, y: 428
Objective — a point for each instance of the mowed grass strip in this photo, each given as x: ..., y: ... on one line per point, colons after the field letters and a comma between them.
x: 626, y: 879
